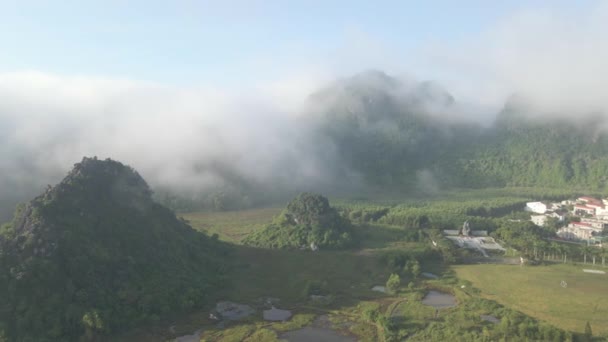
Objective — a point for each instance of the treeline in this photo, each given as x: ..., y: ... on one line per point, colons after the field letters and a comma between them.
x: 438, y: 214
x: 525, y: 152
x: 218, y: 199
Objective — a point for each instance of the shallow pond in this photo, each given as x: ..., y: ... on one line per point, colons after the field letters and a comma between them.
x: 439, y: 300
x: 196, y: 337
x: 490, y: 318
x: 379, y: 288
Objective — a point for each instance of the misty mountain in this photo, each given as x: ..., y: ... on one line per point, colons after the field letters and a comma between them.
x: 95, y: 254
x: 526, y: 147
x: 368, y: 132
x: 401, y: 136
x: 387, y: 131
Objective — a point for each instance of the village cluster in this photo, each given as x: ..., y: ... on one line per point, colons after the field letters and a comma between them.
x: 587, y: 217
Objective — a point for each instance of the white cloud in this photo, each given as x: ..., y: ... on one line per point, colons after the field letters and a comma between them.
x: 50, y: 121
x: 556, y: 58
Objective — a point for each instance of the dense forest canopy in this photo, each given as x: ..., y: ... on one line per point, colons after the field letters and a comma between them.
x: 95, y: 255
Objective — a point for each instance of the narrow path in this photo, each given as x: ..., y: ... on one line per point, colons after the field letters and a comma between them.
x: 395, y: 305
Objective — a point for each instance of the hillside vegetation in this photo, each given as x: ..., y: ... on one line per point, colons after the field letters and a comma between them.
x: 307, y: 221
x: 95, y: 255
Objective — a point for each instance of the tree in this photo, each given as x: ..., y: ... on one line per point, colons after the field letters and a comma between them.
x: 393, y: 283
x: 586, y: 250
x: 416, y: 269
x: 588, y: 335
x: 92, y: 323
x: 555, y: 250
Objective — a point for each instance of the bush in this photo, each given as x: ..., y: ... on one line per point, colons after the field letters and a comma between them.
x: 393, y: 283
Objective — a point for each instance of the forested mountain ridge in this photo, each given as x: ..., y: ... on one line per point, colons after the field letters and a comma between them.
x: 531, y: 149
x: 392, y: 133
x: 95, y: 255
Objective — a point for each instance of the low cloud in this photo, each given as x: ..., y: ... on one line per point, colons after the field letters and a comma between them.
x: 188, y: 139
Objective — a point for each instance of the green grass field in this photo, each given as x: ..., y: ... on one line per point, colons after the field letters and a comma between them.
x: 536, y: 291
x: 231, y: 226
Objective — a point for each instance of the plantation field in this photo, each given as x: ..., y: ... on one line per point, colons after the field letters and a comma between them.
x: 537, y: 291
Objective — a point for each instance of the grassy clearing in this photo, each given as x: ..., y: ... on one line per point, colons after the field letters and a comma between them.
x: 536, y: 291
x: 285, y: 274
x: 231, y: 226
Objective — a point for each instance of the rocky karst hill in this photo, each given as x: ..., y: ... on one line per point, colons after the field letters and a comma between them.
x: 308, y: 221
x: 95, y: 254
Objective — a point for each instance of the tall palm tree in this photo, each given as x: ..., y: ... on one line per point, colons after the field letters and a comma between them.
x: 555, y: 249
x: 586, y: 250
x: 594, y: 253
x: 544, y: 248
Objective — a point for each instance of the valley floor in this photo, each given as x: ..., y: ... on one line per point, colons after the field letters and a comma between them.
x: 353, y: 310
x: 538, y: 291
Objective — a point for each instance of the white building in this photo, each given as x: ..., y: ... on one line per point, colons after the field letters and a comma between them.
x: 559, y: 216
x: 595, y: 222
x: 578, y: 231
x: 538, y: 220
x: 584, y: 209
x: 536, y: 207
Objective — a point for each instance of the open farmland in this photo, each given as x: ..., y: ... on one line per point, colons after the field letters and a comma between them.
x: 537, y: 291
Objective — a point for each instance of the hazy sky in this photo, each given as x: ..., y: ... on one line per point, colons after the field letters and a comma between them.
x: 176, y: 87
x: 231, y: 43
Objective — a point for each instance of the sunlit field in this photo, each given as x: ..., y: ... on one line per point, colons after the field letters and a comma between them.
x: 538, y: 292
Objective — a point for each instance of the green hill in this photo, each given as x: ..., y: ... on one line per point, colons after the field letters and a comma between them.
x: 308, y: 220
x: 95, y: 255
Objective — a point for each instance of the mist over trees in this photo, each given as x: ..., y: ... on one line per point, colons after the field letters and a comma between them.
x: 369, y: 132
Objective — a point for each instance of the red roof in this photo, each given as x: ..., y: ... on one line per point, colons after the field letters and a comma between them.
x: 588, y: 199
x: 582, y: 206
x: 581, y: 224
